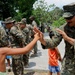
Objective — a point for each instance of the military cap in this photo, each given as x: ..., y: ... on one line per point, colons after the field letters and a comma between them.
x: 23, y: 21
x: 31, y: 17
x: 9, y: 20
x: 69, y: 10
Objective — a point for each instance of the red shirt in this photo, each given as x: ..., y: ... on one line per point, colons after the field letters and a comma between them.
x: 53, y: 60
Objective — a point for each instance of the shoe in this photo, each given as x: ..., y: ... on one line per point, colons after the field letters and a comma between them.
x: 26, y: 66
x: 9, y: 70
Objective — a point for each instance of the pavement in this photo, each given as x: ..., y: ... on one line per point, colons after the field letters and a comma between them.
x: 38, y: 65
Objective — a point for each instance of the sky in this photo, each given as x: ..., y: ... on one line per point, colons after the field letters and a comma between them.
x: 59, y: 3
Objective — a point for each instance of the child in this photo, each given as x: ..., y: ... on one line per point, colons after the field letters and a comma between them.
x: 8, y: 62
x: 15, y: 51
x: 54, y: 56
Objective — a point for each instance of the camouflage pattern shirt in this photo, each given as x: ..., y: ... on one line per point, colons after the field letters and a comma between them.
x: 18, y: 41
x: 26, y: 34
x: 17, y: 36
x: 68, y: 64
x: 3, y: 37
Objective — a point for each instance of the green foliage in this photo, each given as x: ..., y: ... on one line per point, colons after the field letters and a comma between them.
x: 41, y: 11
x: 25, y: 7
x: 58, y: 22
x: 9, y: 7
x: 6, y: 8
x: 46, y: 13
x: 18, y: 16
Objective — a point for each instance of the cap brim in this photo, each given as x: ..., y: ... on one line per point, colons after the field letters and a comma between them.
x: 67, y: 14
x: 19, y: 22
x: 9, y: 22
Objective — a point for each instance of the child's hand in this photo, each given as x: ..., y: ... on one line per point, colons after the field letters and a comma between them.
x: 60, y: 59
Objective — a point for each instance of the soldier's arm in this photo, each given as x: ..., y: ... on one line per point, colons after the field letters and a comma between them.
x: 58, y: 54
x: 64, y: 35
x: 3, y: 37
x: 49, y: 43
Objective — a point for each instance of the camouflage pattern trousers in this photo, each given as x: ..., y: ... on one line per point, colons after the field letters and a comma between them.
x: 68, y: 67
x: 17, y: 66
x: 35, y: 49
x: 26, y: 59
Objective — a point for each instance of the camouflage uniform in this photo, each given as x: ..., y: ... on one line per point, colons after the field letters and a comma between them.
x: 25, y: 32
x: 3, y: 37
x: 68, y: 64
x: 34, y: 24
x: 26, y: 56
x: 17, y: 64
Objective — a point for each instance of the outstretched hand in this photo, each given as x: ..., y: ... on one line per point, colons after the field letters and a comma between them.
x: 36, y: 30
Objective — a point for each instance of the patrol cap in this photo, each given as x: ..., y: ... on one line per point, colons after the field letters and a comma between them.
x: 23, y: 21
x: 67, y: 14
x: 9, y: 20
x: 69, y: 10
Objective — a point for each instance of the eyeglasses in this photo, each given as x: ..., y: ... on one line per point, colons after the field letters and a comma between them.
x: 69, y: 18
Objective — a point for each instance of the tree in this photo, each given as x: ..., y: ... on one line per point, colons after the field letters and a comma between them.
x: 9, y: 8
x: 46, y: 13
x: 6, y: 8
x: 59, y: 22
x: 41, y: 10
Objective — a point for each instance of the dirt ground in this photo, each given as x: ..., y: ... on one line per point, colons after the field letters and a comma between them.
x: 32, y: 73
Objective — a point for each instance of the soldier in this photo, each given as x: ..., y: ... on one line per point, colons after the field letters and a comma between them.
x: 68, y: 64
x: 34, y: 24
x: 16, y: 42
x: 4, y: 42
x: 25, y: 32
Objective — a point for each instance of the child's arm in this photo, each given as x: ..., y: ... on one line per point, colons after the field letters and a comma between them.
x: 59, y: 55
x: 17, y: 51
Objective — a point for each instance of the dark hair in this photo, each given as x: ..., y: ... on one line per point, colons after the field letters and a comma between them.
x: 51, y: 34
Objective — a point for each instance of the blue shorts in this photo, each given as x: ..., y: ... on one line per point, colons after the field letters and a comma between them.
x: 8, y: 57
x: 54, y: 69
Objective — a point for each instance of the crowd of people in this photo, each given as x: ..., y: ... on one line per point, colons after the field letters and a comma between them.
x: 18, y: 35
x: 19, y: 48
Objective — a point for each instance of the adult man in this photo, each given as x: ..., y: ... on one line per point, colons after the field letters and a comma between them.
x: 25, y: 32
x: 4, y: 41
x: 68, y: 64
x: 34, y: 24
x: 14, y: 51
x: 16, y: 42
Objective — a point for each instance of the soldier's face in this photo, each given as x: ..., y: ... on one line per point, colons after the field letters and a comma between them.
x: 22, y: 26
x: 71, y: 21
x: 9, y: 25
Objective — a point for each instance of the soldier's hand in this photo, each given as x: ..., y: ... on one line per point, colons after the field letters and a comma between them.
x: 62, y: 33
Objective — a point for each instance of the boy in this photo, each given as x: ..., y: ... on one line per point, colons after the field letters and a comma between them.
x: 14, y: 51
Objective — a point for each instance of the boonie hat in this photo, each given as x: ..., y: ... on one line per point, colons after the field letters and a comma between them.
x: 9, y: 20
x: 23, y: 21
